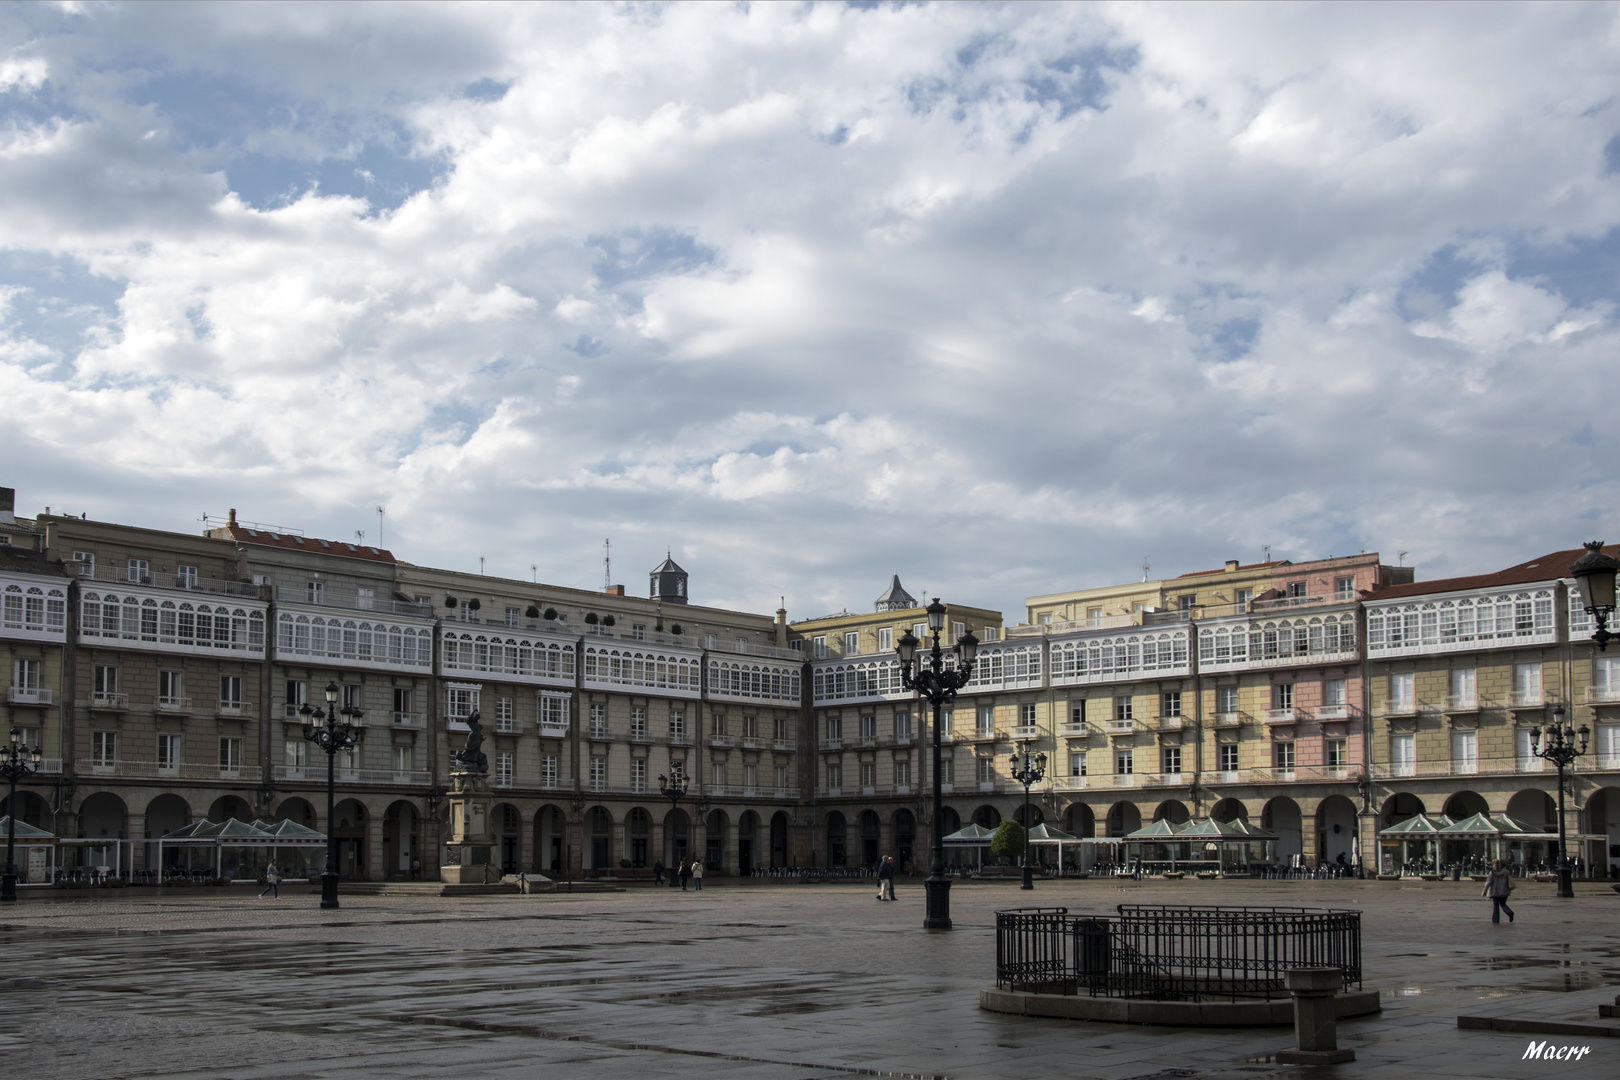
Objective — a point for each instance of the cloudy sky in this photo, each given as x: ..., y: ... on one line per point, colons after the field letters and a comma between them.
x: 1007, y: 298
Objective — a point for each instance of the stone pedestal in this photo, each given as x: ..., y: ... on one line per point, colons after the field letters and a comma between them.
x: 1316, y: 1031
x: 469, y: 848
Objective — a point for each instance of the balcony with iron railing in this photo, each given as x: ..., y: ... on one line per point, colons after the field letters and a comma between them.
x: 27, y: 695
x: 236, y: 710
x: 754, y: 742
x: 1024, y: 733
x: 1121, y: 727
x: 832, y: 744
x: 1169, y: 723
x: 721, y: 742
x: 678, y: 738
x: 105, y: 700
x: 172, y: 704
x: 1526, y: 699
x: 402, y: 719
x: 1328, y: 713
x: 182, y: 770
x: 315, y: 772
x: 549, y: 729
x: 1462, y: 703
x: 1602, y: 695
x: 641, y: 736
x: 1075, y: 731
x: 1290, y: 715
x: 1227, y: 719
x: 117, y: 575
x: 784, y: 744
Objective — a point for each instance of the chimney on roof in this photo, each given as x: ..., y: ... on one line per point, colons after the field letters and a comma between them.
x: 1231, y: 565
x: 781, y: 625
x: 615, y: 590
x: 8, y: 506
x: 232, y: 519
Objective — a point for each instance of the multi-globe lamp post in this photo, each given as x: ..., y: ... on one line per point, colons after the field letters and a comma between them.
x: 1560, y: 749
x: 16, y: 762
x: 1594, y: 575
x: 324, y: 728
x: 1028, y: 770
x: 939, y: 685
x: 673, y: 788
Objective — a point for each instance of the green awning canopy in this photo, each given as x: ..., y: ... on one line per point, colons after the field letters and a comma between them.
x: 1159, y: 830
x: 974, y: 835
x: 1417, y: 827
x: 1232, y: 831
x: 1050, y: 834
x: 26, y: 833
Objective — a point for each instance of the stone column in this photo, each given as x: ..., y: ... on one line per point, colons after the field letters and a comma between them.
x: 375, y: 863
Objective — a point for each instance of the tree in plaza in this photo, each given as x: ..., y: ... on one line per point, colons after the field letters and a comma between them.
x: 1008, y: 843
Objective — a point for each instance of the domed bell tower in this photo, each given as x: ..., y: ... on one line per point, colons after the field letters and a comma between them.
x: 668, y: 583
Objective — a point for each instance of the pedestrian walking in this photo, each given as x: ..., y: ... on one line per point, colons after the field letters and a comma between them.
x: 416, y: 869
x: 686, y: 874
x: 886, y: 878
x: 1497, y: 887
x: 697, y: 875
x: 272, y: 882
x: 658, y: 871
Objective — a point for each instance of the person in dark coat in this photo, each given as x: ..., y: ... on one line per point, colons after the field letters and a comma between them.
x: 1497, y: 886
x: 686, y: 874
x: 658, y: 871
x: 886, y: 879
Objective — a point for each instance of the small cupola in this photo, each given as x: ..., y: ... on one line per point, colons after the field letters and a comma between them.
x: 668, y: 583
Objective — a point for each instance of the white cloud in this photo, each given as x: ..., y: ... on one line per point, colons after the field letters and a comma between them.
x: 1002, y: 296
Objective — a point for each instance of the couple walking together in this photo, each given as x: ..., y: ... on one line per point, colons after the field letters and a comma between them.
x: 886, y: 878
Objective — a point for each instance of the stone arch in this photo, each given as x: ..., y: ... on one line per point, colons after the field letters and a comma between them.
x: 1080, y: 820
x: 871, y: 837
x: 987, y: 817
x: 227, y: 807
x: 905, y: 839
x: 781, y: 848
x: 1229, y: 810
x: 103, y: 815
x: 1172, y: 810
x: 349, y: 829
x: 1036, y: 815
x: 296, y: 810
x: 1282, y: 817
x: 597, y: 827
x: 32, y: 810
x: 1123, y: 818
x: 551, y: 840
x: 717, y: 835
x: 1400, y: 806
x: 401, y: 837
x: 507, y: 825
x: 1463, y: 804
x: 748, y: 837
x: 837, y: 839
x: 949, y: 820
x: 638, y: 838
x: 1535, y: 808
x: 1336, y: 831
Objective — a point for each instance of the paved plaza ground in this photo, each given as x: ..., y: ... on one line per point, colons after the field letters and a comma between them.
x: 769, y: 980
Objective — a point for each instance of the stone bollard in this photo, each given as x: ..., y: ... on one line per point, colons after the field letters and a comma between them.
x: 1316, y: 1021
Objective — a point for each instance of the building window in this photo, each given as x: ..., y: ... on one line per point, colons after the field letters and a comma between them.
x: 1526, y: 684
x: 1077, y: 713
x: 1226, y: 699
x: 1400, y: 691
x: 315, y: 592
x: 986, y: 719
x: 1226, y: 757
x: 1525, y: 756
x: 513, y: 615
x: 638, y: 631
x: 1026, y: 714
x: 718, y: 722
x: 365, y: 599
x: 297, y: 753
x: 1344, y: 588
x: 990, y: 633
x: 1077, y: 763
x: 868, y: 777
x: 404, y: 711
x: 1124, y: 762
x: 504, y: 716
x: 1461, y: 689
x: 230, y: 691
x: 503, y: 769
x: 599, y: 721
x: 297, y: 695
x: 902, y: 725
x: 987, y: 770
x: 1465, y: 752
x: 1606, y: 677
x: 548, y: 770
x: 461, y: 702
x: 835, y: 776
x: 818, y: 648
x: 598, y: 774
x: 25, y: 674
x: 797, y: 645
x: 104, y: 681
x: 852, y: 643
x: 1402, y: 755
x: 1170, y: 703
x: 553, y: 713
x: 638, y: 776
x: 868, y: 729
x: 1170, y: 760
x: 1338, y: 754
x: 230, y: 754
x: 638, y: 722
x: 902, y: 774
x: 780, y: 775
x: 185, y: 577
x: 885, y: 639
x: 947, y: 771
x: 677, y: 724
x: 405, y: 759
x: 709, y: 641
x: 354, y: 696
x: 168, y: 752
x: 87, y: 563
x: 171, y: 688
x: 947, y: 718
x: 1185, y: 602
x: 1122, y: 709
x: 1282, y: 756
x: 139, y: 571
x: 920, y: 631
x: 1242, y: 597
x: 1333, y: 692
x: 1282, y: 696
x: 750, y: 727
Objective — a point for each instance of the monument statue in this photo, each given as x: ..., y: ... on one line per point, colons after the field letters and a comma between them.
x: 471, y: 758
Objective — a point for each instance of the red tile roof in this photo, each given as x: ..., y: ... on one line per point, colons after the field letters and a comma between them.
x: 303, y: 543
x: 1248, y: 566
x: 1543, y: 568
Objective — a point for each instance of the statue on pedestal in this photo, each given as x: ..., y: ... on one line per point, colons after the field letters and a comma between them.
x: 471, y: 757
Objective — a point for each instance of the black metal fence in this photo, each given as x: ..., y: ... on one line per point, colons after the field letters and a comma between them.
x: 1172, y: 953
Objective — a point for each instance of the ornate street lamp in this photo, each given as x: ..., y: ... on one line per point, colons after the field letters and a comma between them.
x: 1594, y: 573
x: 323, y: 728
x: 673, y: 788
x: 1562, y: 752
x: 939, y: 686
x: 16, y: 762
x: 1030, y: 770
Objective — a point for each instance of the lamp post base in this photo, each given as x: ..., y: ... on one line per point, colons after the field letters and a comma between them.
x: 1029, y: 877
x: 8, y: 888
x: 329, y: 897
x: 937, y: 902
x: 1566, y: 886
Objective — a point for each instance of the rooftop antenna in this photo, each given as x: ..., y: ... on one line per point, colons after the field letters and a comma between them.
x: 534, y: 572
x: 360, y: 536
x: 1266, y: 552
x: 480, y: 566
x: 381, y: 510
x: 1401, y: 560
x: 607, y: 565
x: 1146, y: 566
